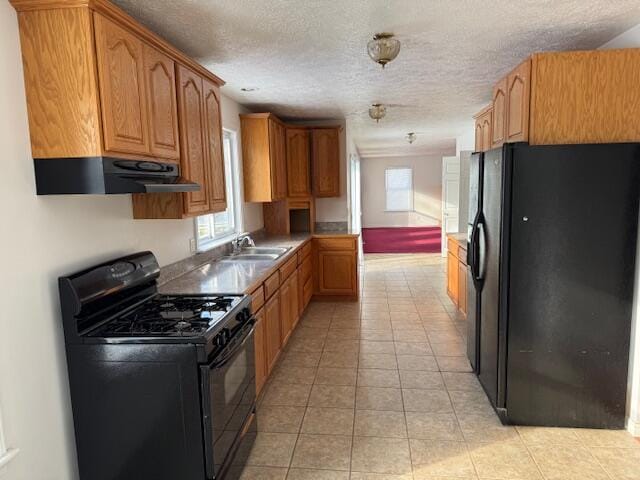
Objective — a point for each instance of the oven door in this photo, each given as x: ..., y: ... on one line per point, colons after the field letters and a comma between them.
x: 229, y: 397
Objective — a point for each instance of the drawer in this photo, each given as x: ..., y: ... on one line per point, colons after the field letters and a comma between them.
x: 452, y: 246
x: 257, y: 299
x: 344, y: 243
x: 304, y: 252
x: 288, y: 268
x: 271, y: 285
x: 305, y: 269
x: 462, y: 253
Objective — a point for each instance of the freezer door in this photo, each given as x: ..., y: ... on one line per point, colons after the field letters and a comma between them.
x: 489, y: 230
x: 573, y: 245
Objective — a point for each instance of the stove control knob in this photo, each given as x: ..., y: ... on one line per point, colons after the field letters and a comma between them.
x: 222, y: 338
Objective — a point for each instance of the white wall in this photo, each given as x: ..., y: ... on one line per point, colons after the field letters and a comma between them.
x: 42, y: 238
x: 427, y: 185
x: 631, y: 39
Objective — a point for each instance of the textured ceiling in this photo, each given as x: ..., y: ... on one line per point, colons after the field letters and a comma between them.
x: 308, y: 57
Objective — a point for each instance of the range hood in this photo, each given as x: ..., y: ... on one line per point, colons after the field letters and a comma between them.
x: 106, y: 175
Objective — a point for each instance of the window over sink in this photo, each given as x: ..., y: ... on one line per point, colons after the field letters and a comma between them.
x: 217, y: 228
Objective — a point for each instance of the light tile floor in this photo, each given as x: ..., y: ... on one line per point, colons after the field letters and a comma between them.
x: 381, y: 389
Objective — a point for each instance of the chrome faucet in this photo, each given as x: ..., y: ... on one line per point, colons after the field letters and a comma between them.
x: 241, y: 241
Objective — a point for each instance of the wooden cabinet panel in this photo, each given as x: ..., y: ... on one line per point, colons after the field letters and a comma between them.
x: 271, y: 285
x: 272, y: 330
x: 478, y: 138
x: 260, y: 350
x: 307, y: 292
x: 192, y: 144
x: 499, y: 113
x: 288, y: 268
x: 345, y: 243
x: 304, y: 252
x: 215, y: 156
x: 159, y: 71
x: 487, y: 130
x: 286, y: 322
x: 122, y: 88
x: 337, y: 273
x: 518, y: 95
x: 298, y: 183
x: 452, y: 276
x: 257, y: 298
x: 301, y: 282
x: 462, y: 287
x: 277, y: 147
x: 325, y: 151
x: 483, y: 130
x: 294, y: 303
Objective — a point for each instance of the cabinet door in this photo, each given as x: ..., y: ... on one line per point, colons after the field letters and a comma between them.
x: 301, y: 280
x: 298, y: 162
x: 487, y: 125
x: 518, y: 95
x: 285, y: 311
x: 294, y: 311
x: 479, y: 132
x: 215, y: 155
x: 159, y: 71
x: 261, y: 350
x: 452, y: 277
x: 325, y: 148
x: 278, y: 159
x: 499, y: 113
x: 122, y: 89
x: 462, y: 288
x: 272, y: 330
x: 337, y: 273
x: 192, y: 141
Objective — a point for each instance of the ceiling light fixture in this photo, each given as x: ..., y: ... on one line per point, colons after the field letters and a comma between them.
x: 249, y: 89
x: 377, y: 111
x: 383, y: 48
x: 411, y: 137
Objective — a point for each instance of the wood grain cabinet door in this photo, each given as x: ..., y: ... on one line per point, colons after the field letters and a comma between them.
x: 192, y: 139
x: 499, y: 113
x: 298, y: 184
x: 479, y: 131
x: 215, y: 155
x: 122, y: 89
x: 325, y: 148
x: 452, y: 277
x: 285, y: 311
x: 487, y: 126
x: 278, y: 159
x: 160, y: 79
x: 518, y: 97
x: 259, y: 340
x: 462, y: 288
x: 294, y: 312
x: 272, y: 330
x: 337, y: 273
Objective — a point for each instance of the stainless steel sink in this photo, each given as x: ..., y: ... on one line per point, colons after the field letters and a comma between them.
x: 255, y: 254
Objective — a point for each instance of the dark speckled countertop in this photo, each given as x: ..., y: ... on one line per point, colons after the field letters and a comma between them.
x: 240, y: 276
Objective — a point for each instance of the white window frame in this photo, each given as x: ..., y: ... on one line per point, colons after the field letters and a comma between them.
x: 386, y: 191
x: 232, y: 184
x: 6, y: 453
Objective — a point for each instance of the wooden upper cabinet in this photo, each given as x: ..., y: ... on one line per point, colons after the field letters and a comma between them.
x: 215, y: 154
x: 278, y: 146
x: 518, y: 95
x: 483, y: 127
x: 192, y: 134
x: 159, y: 72
x: 123, y: 96
x: 298, y: 162
x: 264, y: 161
x: 499, y: 103
x: 325, y: 151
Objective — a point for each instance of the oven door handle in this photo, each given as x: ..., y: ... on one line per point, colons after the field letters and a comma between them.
x: 229, y: 352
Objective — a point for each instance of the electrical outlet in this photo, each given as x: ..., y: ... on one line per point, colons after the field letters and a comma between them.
x: 192, y: 245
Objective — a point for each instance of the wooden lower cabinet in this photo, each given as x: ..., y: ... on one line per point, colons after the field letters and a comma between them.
x: 457, y: 271
x: 260, y: 350
x: 273, y: 339
x: 286, y: 323
x: 294, y: 301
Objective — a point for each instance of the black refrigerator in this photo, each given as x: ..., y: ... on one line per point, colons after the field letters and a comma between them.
x: 551, y: 255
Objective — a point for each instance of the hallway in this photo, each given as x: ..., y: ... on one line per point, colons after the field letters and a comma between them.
x: 382, y: 389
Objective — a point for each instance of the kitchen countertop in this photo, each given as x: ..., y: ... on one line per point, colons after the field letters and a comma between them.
x: 241, y: 276
x: 459, y: 238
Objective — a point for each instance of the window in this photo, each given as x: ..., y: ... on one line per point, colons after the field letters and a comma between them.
x: 399, y: 189
x: 216, y: 228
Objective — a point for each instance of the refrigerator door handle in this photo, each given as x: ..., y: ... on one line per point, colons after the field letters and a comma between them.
x: 481, y: 252
x: 472, y: 254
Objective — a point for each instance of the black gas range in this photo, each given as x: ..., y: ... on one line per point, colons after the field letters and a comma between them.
x: 162, y: 386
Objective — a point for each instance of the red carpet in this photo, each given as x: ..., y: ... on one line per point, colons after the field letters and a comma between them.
x: 401, y: 240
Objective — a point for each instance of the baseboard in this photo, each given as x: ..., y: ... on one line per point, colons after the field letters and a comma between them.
x: 633, y: 427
